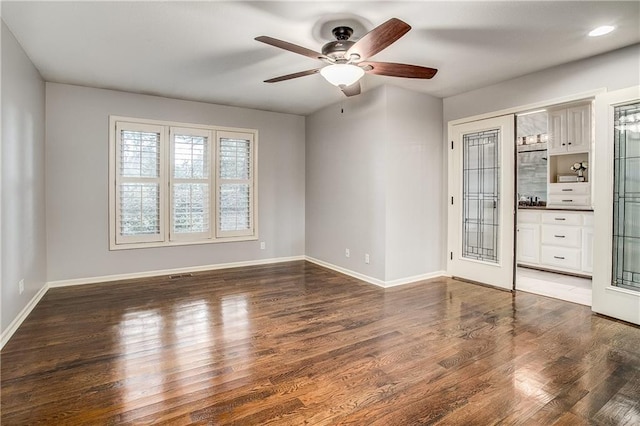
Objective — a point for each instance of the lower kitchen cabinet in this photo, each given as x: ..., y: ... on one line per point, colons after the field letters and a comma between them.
x: 528, y: 243
x: 556, y: 240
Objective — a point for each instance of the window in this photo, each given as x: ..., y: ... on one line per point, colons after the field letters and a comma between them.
x: 175, y: 184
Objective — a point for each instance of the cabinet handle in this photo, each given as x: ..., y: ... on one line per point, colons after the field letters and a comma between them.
x: 569, y: 143
x: 567, y: 189
x: 559, y: 257
x: 560, y: 218
x: 567, y: 201
x: 559, y: 236
x: 563, y: 144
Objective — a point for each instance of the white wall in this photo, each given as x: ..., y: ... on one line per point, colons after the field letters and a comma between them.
x: 345, y: 176
x: 613, y: 70
x: 77, y: 185
x: 374, y: 184
x: 23, y: 186
x: 414, y: 184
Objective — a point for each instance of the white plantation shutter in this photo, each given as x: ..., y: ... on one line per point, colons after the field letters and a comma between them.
x: 191, y: 183
x: 174, y: 183
x: 138, y: 184
x: 235, y: 186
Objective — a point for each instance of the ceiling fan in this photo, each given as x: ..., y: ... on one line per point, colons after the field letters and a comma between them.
x: 348, y: 59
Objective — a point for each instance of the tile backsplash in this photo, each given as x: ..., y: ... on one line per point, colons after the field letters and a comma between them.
x: 532, y: 174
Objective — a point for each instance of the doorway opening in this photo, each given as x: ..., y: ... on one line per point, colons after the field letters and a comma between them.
x: 554, y: 220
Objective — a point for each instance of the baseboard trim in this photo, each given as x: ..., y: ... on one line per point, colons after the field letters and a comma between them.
x: 375, y: 281
x: 160, y: 272
x: 345, y: 271
x: 24, y: 313
x: 416, y: 278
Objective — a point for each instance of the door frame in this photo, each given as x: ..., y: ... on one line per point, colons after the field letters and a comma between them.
x: 512, y: 110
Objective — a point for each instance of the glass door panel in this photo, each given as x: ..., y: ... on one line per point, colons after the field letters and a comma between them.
x: 481, y: 193
x: 626, y: 197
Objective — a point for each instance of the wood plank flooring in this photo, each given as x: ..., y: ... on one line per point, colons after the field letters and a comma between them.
x: 295, y: 343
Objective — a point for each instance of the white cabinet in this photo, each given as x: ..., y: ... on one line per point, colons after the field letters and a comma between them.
x: 569, y: 195
x: 570, y: 129
x: 556, y: 240
x: 528, y: 243
x: 579, y: 128
x: 557, y: 132
x: 528, y: 237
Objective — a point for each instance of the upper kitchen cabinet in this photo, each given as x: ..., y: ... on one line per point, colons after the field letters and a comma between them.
x: 570, y: 129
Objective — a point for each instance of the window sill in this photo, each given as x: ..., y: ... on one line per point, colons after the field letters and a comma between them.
x: 129, y: 246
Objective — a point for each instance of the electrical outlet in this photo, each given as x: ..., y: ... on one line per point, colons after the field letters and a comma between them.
x: 21, y: 286
x: 347, y: 253
x: 366, y: 258
x: 263, y: 245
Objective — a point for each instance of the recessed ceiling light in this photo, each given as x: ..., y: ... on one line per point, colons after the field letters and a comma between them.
x: 605, y: 29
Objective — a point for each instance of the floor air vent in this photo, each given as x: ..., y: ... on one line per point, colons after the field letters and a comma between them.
x: 175, y: 277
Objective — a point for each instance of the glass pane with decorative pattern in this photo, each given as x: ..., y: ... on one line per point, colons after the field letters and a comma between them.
x: 626, y: 197
x: 481, y: 195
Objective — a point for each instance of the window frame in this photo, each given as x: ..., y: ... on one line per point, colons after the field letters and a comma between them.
x: 167, y: 237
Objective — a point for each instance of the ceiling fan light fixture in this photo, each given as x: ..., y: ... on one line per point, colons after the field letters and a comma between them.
x: 342, y: 74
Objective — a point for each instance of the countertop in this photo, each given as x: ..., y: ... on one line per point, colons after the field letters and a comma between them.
x: 553, y: 209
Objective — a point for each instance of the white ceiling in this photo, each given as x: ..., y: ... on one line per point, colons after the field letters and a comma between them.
x: 206, y: 50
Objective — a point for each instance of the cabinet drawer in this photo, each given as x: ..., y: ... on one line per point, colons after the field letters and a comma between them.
x: 565, y: 236
x: 560, y: 218
x: 569, y: 188
x: 569, y: 200
x: 562, y: 257
x: 528, y: 217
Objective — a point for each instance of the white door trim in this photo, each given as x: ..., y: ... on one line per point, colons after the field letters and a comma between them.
x: 608, y: 299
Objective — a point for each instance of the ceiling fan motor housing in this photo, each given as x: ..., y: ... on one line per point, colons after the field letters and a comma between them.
x: 337, y: 49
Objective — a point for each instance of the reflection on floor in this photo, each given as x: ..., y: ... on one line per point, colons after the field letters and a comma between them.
x: 564, y: 287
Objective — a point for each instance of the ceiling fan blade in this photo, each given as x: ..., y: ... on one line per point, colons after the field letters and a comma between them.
x: 398, y: 70
x: 352, y: 90
x: 379, y: 38
x: 294, y: 75
x: 290, y: 47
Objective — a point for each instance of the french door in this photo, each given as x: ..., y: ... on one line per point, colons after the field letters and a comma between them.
x: 616, y: 268
x: 481, y: 201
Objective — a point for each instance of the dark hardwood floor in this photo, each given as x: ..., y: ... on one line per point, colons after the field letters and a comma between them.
x: 295, y: 343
